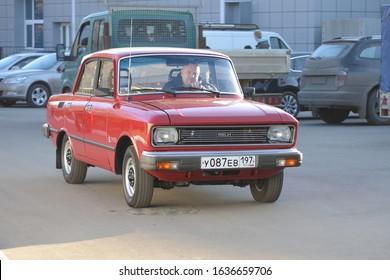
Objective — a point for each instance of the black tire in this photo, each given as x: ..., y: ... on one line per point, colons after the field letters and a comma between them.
x: 289, y: 103
x: 74, y: 171
x: 373, y: 114
x: 137, y: 184
x: 268, y: 190
x: 333, y: 116
x: 7, y: 103
x: 38, y: 95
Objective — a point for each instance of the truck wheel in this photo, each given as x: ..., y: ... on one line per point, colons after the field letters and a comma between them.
x: 137, y: 184
x: 38, y: 95
x: 333, y: 116
x: 289, y: 103
x: 268, y: 190
x: 373, y: 114
x: 74, y: 171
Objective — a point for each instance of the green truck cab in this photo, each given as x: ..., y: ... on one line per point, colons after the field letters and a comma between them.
x: 126, y: 28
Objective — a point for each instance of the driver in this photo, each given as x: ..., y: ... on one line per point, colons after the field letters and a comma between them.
x: 188, y: 77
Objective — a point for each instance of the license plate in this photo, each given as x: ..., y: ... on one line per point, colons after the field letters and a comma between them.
x: 228, y: 162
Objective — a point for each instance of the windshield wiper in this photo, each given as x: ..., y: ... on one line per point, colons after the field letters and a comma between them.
x: 217, y: 93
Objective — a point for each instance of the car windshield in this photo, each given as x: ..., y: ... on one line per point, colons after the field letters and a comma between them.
x: 153, y: 72
x: 44, y: 62
x: 330, y: 50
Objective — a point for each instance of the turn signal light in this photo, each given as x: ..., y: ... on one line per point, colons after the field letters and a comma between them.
x: 166, y: 165
x: 287, y: 162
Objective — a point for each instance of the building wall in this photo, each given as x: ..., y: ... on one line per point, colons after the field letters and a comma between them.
x: 298, y: 21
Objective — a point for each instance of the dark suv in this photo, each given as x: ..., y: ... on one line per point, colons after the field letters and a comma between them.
x: 341, y: 76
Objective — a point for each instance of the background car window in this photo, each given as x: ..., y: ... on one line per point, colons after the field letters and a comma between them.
x: 371, y: 52
x: 298, y: 63
x: 329, y: 50
x: 43, y: 62
x: 276, y: 43
x: 88, y: 77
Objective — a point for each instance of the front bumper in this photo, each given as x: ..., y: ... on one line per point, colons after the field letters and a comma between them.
x: 191, y: 161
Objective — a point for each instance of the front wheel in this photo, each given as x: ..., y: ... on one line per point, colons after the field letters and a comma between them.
x: 268, y: 190
x: 137, y: 184
x: 74, y: 171
x: 38, y: 95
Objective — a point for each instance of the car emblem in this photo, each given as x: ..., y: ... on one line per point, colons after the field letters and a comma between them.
x: 224, y: 134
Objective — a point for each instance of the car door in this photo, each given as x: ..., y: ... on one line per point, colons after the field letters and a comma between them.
x: 75, y: 109
x: 97, y: 143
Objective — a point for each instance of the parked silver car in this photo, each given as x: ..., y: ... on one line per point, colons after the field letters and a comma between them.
x: 34, y: 83
x: 342, y: 76
x: 18, y: 61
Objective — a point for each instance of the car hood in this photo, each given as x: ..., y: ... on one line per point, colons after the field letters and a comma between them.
x: 11, y: 73
x: 218, y: 111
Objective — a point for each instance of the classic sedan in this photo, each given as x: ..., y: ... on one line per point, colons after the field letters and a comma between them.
x: 34, y: 83
x: 123, y: 117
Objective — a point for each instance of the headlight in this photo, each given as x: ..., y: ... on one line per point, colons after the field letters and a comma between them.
x: 15, y: 80
x: 165, y: 135
x: 279, y: 134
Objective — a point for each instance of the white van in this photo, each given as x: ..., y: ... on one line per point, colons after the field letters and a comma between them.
x: 238, y: 36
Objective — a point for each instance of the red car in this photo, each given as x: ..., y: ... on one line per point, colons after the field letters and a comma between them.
x: 166, y: 117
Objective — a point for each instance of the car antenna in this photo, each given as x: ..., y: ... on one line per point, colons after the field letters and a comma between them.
x: 129, y: 80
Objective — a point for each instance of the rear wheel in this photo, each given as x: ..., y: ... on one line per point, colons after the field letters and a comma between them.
x: 333, y: 116
x: 290, y: 103
x: 137, y: 184
x: 74, y: 171
x: 268, y: 190
x: 373, y: 114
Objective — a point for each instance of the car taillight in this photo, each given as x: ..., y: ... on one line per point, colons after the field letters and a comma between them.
x: 341, y: 80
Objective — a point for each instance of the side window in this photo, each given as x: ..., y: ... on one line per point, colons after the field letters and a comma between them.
x: 81, y: 38
x: 97, y: 36
x: 276, y: 43
x: 87, y: 77
x: 373, y: 52
x: 297, y: 64
x: 105, y: 84
x: 23, y: 62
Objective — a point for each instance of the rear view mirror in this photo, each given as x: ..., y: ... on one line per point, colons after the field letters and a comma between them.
x: 249, y: 91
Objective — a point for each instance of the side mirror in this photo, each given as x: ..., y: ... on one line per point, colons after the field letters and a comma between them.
x: 249, y: 92
x: 61, y: 53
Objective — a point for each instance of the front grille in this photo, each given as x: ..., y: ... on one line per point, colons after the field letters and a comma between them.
x: 223, y: 135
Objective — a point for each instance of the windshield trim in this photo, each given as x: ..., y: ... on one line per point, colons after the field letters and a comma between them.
x: 204, y: 91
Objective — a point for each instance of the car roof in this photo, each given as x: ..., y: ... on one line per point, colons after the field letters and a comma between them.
x: 121, y: 52
x: 353, y: 39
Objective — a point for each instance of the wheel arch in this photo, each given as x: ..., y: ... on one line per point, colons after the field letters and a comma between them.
x: 60, y: 138
x: 292, y: 89
x: 41, y: 82
x: 363, y: 106
x: 123, y: 143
